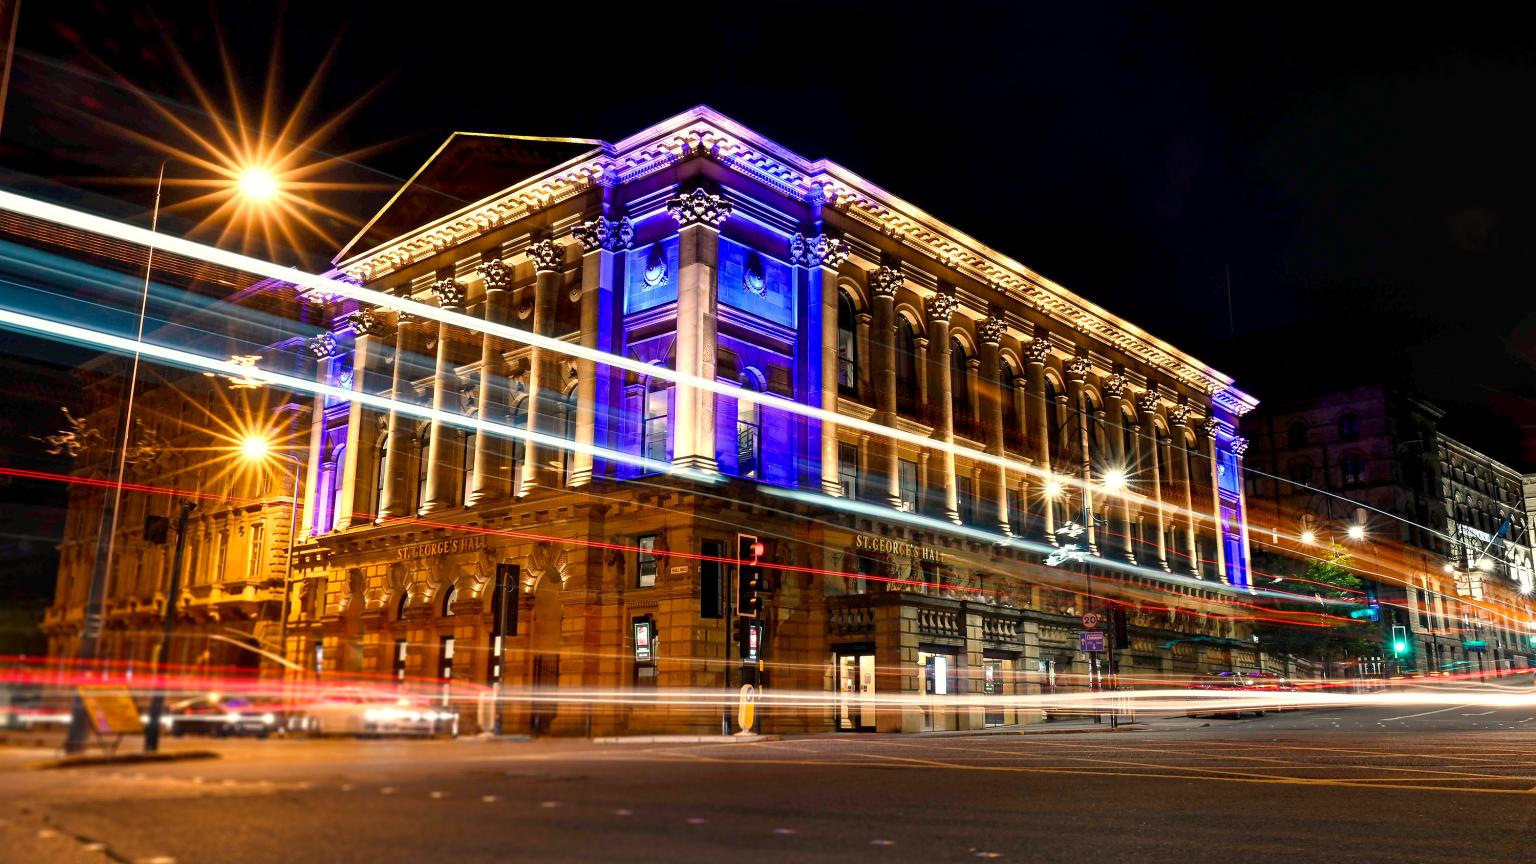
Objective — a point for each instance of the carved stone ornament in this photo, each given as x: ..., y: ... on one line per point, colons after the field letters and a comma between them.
x: 1180, y: 414
x: 602, y: 233
x: 990, y: 331
x: 450, y: 294
x: 322, y: 346
x: 941, y: 307
x: 1209, y: 426
x: 546, y: 255
x: 496, y: 273
x: 1239, y: 446
x: 754, y: 276
x: 1037, y: 350
x: 1078, y: 367
x: 624, y: 234
x: 1114, y: 386
x: 366, y: 323
x: 818, y: 251
x: 886, y: 281
x: 1147, y: 402
x: 698, y: 208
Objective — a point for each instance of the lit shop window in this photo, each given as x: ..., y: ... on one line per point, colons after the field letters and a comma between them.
x: 645, y: 561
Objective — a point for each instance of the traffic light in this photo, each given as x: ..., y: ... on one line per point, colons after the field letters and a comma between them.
x: 1120, y: 627
x: 1366, y: 613
x: 1399, y: 640
x: 749, y: 576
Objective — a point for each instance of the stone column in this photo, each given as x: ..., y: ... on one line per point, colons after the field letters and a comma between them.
x: 866, y: 363
x: 545, y: 389
x: 821, y: 255
x: 396, y: 500
x: 1036, y: 352
x: 369, y: 330
x: 1239, y: 447
x: 1178, y: 423
x: 1146, y: 407
x: 1208, y: 428
x: 941, y: 395
x: 600, y: 238
x: 883, y: 285
x: 322, y: 347
x: 1113, y: 391
x: 699, y: 215
x: 990, y: 334
x: 443, y: 446
x: 1077, y: 377
x: 490, y: 484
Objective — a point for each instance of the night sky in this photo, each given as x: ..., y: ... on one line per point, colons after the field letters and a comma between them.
x: 1362, y: 184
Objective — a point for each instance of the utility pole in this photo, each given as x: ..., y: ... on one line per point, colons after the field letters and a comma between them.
x: 157, y: 703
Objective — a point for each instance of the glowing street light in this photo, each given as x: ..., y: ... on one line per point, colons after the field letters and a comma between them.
x: 1357, y: 532
x: 1114, y: 479
x: 257, y: 184
x: 255, y: 448
x: 1052, y: 488
x: 1308, y: 537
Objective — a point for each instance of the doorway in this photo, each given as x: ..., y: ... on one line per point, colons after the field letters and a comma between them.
x: 855, y: 691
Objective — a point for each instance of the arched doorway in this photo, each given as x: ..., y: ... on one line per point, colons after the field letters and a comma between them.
x: 544, y: 649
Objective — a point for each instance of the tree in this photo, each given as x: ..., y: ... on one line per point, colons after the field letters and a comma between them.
x: 1322, y: 586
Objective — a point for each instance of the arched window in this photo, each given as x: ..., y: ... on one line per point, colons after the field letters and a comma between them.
x: 405, y: 600
x: 1349, y: 427
x: 333, y: 495
x: 1098, y: 449
x: 1296, y: 435
x: 1052, y: 420
x: 423, y: 464
x: 959, y: 378
x: 847, y: 344
x: 448, y: 600
x: 377, y: 495
x: 749, y: 428
x: 1352, y: 469
x: 1300, y: 471
x: 1128, y: 444
x: 906, y: 357
x: 466, y: 465
x: 654, y: 421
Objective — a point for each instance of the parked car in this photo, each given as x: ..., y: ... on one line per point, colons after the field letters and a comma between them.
x: 221, y: 717
x: 1270, y: 683
x: 375, y: 714
x: 1223, y: 682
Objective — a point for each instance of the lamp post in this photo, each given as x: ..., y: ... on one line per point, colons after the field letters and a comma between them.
x: 157, y: 702
x: 257, y: 449
x: 255, y: 185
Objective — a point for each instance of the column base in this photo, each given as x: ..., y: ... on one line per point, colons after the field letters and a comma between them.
x: 832, y: 487
x: 697, y: 463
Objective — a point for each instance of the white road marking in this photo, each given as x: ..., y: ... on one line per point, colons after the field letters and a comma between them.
x: 1478, y: 714
x: 882, y: 842
x: 436, y: 794
x: 1427, y: 713
x: 490, y: 799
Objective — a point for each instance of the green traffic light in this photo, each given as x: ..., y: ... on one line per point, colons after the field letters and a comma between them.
x: 1399, y: 647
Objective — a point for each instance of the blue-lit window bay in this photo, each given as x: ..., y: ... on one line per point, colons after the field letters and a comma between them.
x: 755, y: 283
x: 652, y: 277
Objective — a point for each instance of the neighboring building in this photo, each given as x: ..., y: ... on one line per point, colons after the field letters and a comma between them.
x: 1371, y: 458
x: 892, y: 566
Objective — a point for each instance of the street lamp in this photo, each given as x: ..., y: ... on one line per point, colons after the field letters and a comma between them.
x: 95, y: 612
x: 1357, y: 532
x: 257, y: 184
x: 256, y: 449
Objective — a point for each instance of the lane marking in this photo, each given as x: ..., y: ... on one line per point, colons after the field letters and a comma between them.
x: 1427, y: 713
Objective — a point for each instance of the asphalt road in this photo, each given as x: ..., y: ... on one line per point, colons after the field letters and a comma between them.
x: 1409, y: 784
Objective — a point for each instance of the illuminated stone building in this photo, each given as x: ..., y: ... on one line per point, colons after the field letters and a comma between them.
x: 806, y: 310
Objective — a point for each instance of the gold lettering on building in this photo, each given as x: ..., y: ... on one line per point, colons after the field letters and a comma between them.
x: 898, y: 548
x: 441, y: 547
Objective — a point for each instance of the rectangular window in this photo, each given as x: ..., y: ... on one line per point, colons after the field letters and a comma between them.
x: 906, y: 476
x: 257, y: 550
x: 966, y: 499
x: 848, y: 469
x: 221, y: 558
x: 401, y: 647
x: 655, y: 432
x: 645, y: 561
x: 845, y: 368
x: 1015, y: 513
x: 710, y: 585
x: 445, y: 666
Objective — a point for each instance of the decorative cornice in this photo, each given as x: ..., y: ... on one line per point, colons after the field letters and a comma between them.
x: 704, y: 133
x: 886, y: 281
x: 497, y: 275
x: 818, y: 251
x: 990, y: 330
x: 322, y: 346
x: 365, y: 323
x: 941, y: 306
x: 1113, y: 386
x: 450, y: 293
x: 699, y: 207
x: 604, y: 233
x: 546, y: 255
x: 1037, y: 350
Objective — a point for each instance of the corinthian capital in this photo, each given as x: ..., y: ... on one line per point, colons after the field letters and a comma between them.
x: 546, y: 255
x: 886, y: 281
x: 941, y: 307
x: 1037, y: 350
x: 1147, y: 402
x: 365, y: 323
x: 322, y: 346
x: 1078, y: 367
x: 497, y: 275
x: 449, y: 293
x: 1208, y: 427
x: 603, y: 233
x: 698, y: 207
x: 1239, y: 447
x: 1114, y: 386
x: 1180, y: 414
x: 990, y: 330
x: 818, y: 251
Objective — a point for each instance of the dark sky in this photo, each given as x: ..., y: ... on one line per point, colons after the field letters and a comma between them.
x: 1363, y: 183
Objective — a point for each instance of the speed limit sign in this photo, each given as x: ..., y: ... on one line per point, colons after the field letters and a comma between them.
x: 1092, y: 620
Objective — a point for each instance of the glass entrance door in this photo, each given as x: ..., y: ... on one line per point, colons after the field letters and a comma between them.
x: 855, y: 687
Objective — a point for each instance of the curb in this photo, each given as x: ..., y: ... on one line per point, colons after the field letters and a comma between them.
x: 685, y: 739
x: 125, y: 759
